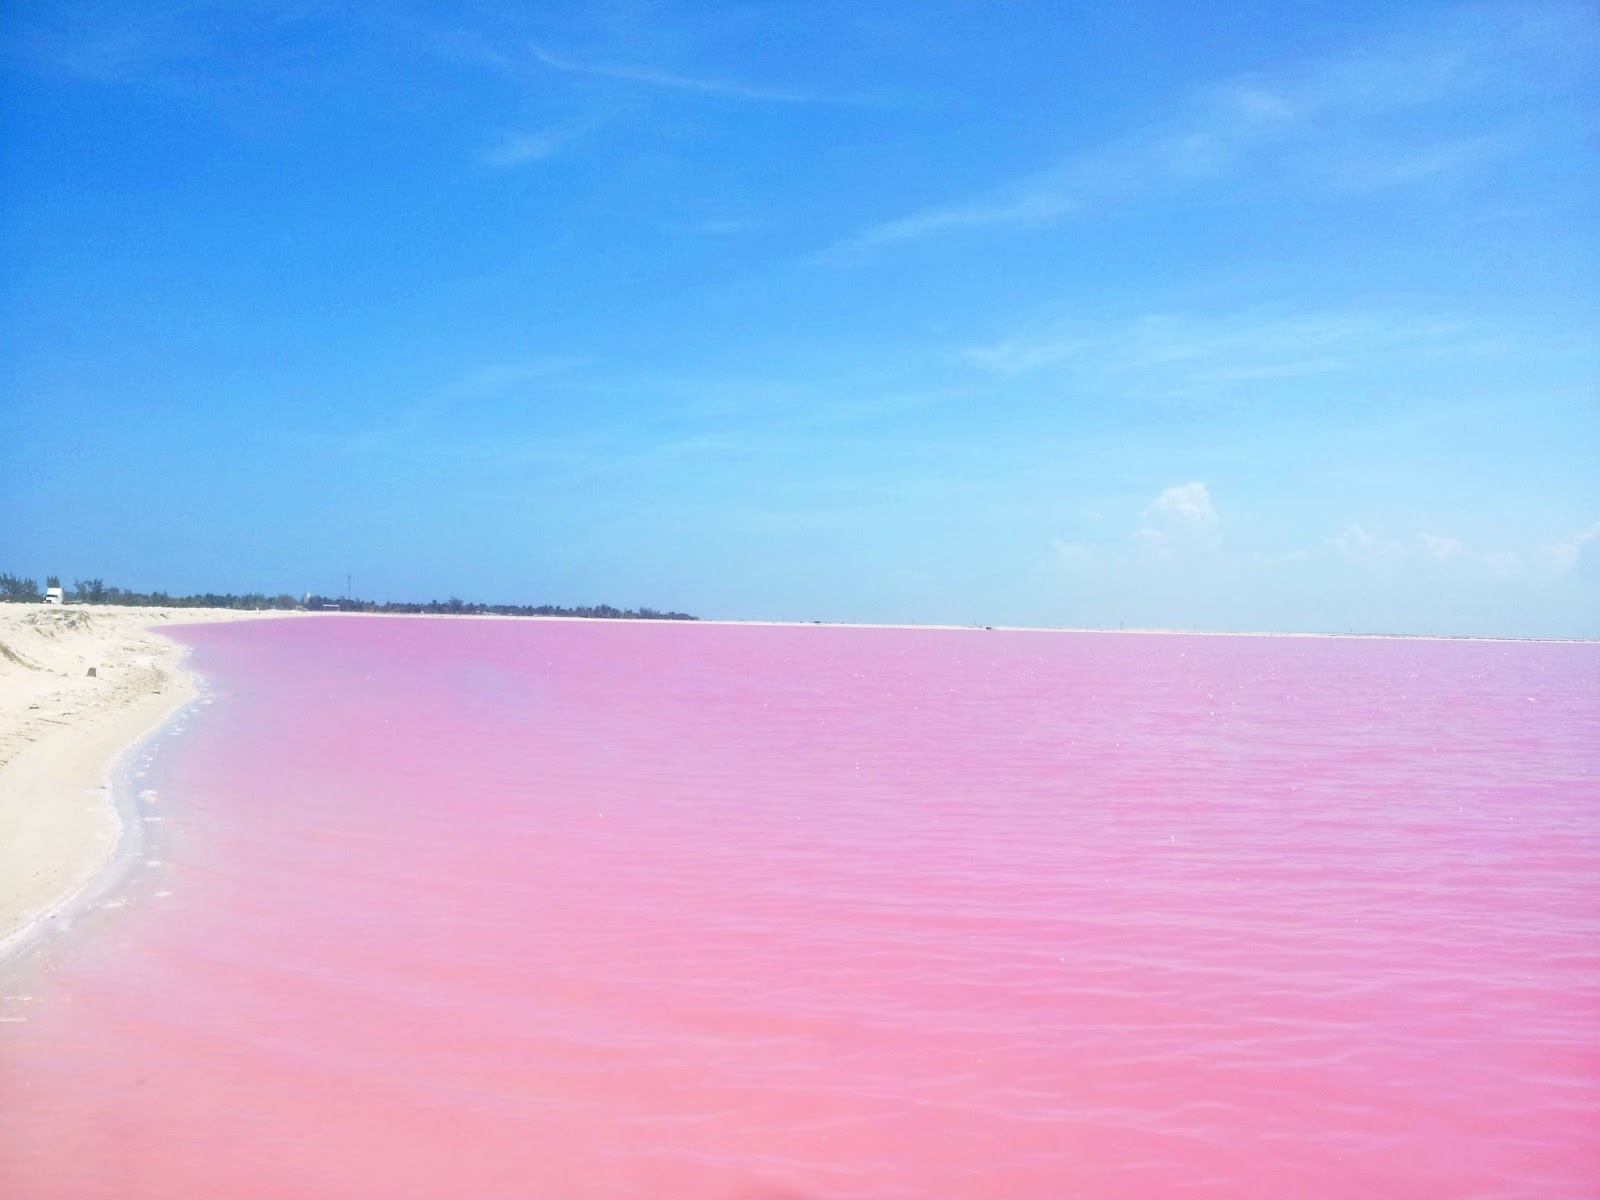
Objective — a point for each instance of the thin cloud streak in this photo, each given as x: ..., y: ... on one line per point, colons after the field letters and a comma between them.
x: 520, y: 149
x: 1178, y: 357
x: 1328, y: 127
x: 652, y: 77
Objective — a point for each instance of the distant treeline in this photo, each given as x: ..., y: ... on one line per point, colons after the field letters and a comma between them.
x: 453, y: 605
x: 95, y: 591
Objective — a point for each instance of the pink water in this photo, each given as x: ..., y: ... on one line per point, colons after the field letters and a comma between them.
x: 581, y: 910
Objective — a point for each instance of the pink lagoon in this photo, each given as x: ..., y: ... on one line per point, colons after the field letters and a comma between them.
x: 573, y: 910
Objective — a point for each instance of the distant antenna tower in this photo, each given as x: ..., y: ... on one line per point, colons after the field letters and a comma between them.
x: 347, y: 587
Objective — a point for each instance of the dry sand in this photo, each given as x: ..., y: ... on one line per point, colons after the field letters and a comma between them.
x: 61, y: 733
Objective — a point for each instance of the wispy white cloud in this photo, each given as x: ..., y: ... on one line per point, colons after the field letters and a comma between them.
x: 1155, y: 545
x: 1441, y: 548
x: 518, y: 149
x: 429, y: 421
x: 1070, y: 554
x: 1564, y: 556
x: 1357, y: 545
x: 1367, y: 164
x: 1531, y: 564
x: 1180, y: 356
x: 654, y: 77
x: 124, y: 44
x: 718, y: 226
x: 1504, y: 563
x: 1340, y: 124
x: 499, y: 378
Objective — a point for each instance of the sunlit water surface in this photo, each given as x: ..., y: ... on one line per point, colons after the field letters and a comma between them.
x: 579, y: 910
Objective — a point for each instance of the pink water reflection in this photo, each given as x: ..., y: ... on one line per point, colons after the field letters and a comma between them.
x: 572, y: 910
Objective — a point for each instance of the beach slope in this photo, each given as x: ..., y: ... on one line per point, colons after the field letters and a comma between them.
x: 61, y: 731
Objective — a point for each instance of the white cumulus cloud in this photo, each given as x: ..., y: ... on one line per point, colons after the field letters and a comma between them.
x: 1182, y: 515
x: 1187, y: 505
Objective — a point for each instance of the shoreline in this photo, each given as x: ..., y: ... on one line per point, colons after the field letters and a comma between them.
x: 737, y: 622
x: 1076, y: 629
x: 66, y: 737
x: 112, y: 810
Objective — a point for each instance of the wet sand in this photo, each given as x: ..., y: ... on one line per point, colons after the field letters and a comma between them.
x: 62, y: 732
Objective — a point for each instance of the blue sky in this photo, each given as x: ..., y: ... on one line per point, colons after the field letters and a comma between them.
x: 1244, y: 317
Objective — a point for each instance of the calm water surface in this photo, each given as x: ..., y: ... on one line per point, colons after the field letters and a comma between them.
x: 585, y: 910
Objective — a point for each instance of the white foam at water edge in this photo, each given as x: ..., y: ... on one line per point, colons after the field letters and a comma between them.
x: 160, y: 894
x: 149, y: 795
x: 152, y: 862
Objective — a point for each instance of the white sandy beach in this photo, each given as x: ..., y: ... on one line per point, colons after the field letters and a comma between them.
x: 61, y: 733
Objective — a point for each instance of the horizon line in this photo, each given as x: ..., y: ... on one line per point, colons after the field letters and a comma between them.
x: 824, y: 624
